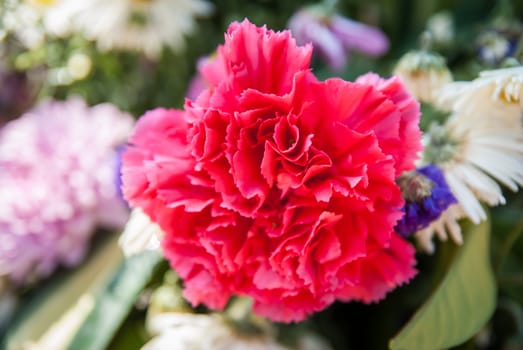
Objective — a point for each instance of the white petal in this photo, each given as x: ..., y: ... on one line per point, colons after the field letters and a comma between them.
x: 504, y: 167
x: 140, y: 234
x: 424, y: 240
x: 446, y: 225
x: 483, y: 187
x: 451, y: 217
x: 464, y: 196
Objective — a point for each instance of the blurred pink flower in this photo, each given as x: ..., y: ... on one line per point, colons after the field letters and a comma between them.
x: 57, y: 183
x: 334, y: 37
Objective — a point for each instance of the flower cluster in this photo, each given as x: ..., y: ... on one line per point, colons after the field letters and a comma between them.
x: 275, y: 185
x: 132, y: 25
x: 57, y: 182
x: 424, y: 73
x: 479, y: 146
x: 498, y: 42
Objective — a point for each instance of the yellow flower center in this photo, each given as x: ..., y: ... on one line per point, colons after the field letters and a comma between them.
x: 44, y: 3
x: 511, y: 91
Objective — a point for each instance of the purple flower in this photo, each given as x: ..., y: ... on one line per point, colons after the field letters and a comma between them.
x: 57, y: 171
x: 334, y: 36
x: 426, y: 195
x: 198, y: 83
x: 494, y: 46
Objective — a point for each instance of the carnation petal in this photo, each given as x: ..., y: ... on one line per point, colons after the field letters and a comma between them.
x: 382, y: 271
x: 257, y: 57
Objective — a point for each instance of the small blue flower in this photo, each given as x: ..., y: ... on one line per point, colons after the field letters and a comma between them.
x: 426, y: 195
x: 497, y: 44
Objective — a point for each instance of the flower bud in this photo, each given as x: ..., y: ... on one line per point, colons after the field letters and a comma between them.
x: 423, y: 72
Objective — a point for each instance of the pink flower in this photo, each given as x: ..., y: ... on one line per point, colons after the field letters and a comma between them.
x: 57, y: 184
x: 274, y: 185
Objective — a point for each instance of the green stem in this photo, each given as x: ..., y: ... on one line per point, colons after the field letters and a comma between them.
x: 509, y: 241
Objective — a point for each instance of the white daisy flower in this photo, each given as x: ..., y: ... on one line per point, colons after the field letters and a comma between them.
x: 495, y: 98
x: 23, y: 21
x: 135, y: 25
x: 32, y: 20
x: 58, y: 16
x: 480, y: 146
x: 141, y: 25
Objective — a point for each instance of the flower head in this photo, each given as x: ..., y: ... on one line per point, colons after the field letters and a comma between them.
x: 56, y: 184
x: 180, y: 331
x: 498, y: 42
x: 479, y: 146
x: 494, y: 99
x: 21, y: 20
x: 494, y: 47
x: 274, y: 185
x: 132, y: 25
x: 334, y: 36
x: 441, y: 28
x: 423, y: 73
x: 426, y: 196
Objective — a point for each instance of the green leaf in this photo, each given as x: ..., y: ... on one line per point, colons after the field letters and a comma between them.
x: 46, y: 316
x: 116, y: 301
x: 462, y: 303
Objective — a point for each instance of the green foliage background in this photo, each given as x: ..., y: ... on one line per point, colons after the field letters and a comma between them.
x: 137, y: 84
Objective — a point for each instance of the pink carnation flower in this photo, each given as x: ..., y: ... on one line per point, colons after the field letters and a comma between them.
x: 274, y: 185
x: 57, y: 182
